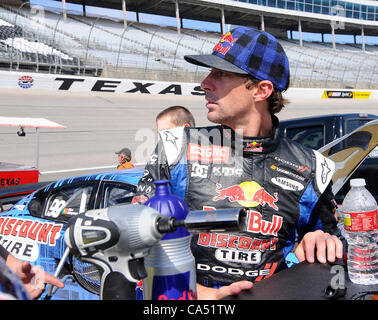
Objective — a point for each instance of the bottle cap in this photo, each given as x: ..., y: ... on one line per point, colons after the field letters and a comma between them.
x: 357, y: 182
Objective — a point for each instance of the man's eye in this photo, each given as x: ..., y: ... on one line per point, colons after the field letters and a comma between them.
x: 220, y: 74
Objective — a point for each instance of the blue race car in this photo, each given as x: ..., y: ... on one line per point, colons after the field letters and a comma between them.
x: 33, y: 229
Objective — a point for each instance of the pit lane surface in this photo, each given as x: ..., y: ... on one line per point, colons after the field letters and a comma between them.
x: 98, y: 124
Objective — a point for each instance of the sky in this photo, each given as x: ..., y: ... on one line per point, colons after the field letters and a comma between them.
x: 192, y: 24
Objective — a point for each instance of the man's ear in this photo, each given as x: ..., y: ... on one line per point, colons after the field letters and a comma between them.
x: 263, y: 90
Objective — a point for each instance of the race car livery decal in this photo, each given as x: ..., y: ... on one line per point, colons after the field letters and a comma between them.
x: 247, y: 194
x: 23, y: 237
x: 20, y: 248
x: 41, y: 232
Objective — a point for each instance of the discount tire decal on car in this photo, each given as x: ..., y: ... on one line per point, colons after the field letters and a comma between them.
x: 22, y: 236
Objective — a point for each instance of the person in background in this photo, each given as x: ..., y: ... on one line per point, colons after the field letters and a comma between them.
x: 175, y: 116
x: 124, y: 159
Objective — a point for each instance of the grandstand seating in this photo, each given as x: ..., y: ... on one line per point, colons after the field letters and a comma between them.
x: 81, y: 43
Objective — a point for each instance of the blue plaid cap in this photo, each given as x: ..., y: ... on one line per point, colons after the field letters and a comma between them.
x: 245, y: 50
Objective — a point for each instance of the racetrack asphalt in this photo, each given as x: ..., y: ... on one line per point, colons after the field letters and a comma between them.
x: 99, y: 124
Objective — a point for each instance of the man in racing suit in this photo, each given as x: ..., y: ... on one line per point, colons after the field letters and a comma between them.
x: 244, y: 163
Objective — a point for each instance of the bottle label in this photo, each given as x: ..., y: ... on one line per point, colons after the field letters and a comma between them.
x: 173, y: 287
x: 360, y: 221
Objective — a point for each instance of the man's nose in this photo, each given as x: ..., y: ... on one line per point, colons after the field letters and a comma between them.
x: 206, y: 84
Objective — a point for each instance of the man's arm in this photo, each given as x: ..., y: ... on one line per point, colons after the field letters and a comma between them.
x: 320, y: 237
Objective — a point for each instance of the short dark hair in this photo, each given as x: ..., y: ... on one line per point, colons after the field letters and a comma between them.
x: 275, y: 101
x: 179, y: 115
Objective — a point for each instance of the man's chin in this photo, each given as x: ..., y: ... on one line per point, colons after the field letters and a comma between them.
x: 213, y: 117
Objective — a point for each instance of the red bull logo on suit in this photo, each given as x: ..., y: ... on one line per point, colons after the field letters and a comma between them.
x: 247, y: 194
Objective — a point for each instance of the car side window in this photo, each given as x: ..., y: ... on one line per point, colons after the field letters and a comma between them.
x: 310, y: 137
x: 67, y: 202
x: 117, y: 193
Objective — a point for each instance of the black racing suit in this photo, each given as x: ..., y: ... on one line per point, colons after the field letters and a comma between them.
x: 285, y: 187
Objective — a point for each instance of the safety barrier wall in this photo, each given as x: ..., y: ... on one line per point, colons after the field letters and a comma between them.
x: 99, y: 46
x: 52, y: 82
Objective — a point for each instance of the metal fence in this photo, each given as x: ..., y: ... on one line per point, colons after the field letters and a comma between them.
x: 102, y: 47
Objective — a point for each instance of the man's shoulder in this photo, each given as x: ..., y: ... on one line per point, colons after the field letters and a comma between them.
x: 322, y: 166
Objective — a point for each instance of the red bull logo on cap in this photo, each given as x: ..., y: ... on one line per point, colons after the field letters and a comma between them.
x: 227, y: 37
x: 247, y: 194
x: 225, y: 43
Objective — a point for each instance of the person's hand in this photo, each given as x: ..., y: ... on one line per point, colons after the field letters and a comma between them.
x: 33, y: 277
x: 326, y: 247
x: 205, y: 293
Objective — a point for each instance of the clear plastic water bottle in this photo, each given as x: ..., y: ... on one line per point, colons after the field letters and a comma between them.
x: 171, y: 273
x: 360, y: 222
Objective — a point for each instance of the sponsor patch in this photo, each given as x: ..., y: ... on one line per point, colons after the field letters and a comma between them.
x: 287, y: 172
x: 237, y: 242
x: 266, y: 272
x: 225, y: 43
x: 257, y: 224
x: 208, y: 154
x: 324, y: 170
x: 253, y: 147
x: 247, y: 194
x: 287, y: 184
x: 252, y: 257
x: 172, y: 140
